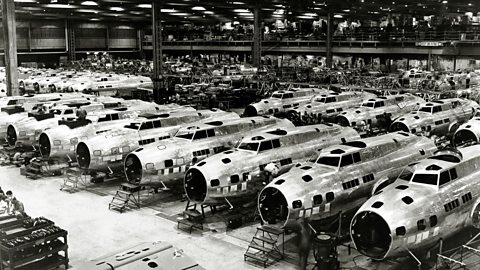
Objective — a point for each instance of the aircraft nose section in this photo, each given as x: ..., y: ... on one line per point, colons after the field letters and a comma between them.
x: 11, y: 135
x: 133, y: 169
x: 464, y: 136
x: 371, y: 234
x: 83, y: 155
x: 343, y: 121
x: 273, y: 206
x: 399, y: 126
x: 250, y: 111
x: 45, y: 146
x: 195, y: 185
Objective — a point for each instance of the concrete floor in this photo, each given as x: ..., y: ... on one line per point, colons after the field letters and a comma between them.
x: 93, y: 230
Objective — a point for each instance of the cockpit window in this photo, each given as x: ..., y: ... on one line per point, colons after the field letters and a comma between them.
x: 379, y: 104
x: 437, y: 109
x: 249, y: 146
x: 134, y: 126
x: 200, y: 134
x: 406, y: 175
x: 350, y: 159
x: 56, y: 111
x: 186, y: 135
x: 330, y: 99
x: 368, y: 104
x: 424, y: 178
x: 320, y: 100
x: 146, y: 125
x: 329, y: 161
x: 346, y: 160
x: 425, y: 109
x: 266, y: 145
x: 277, y: 96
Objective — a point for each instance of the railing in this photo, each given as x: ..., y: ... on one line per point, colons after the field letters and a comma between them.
x: 373, y: 35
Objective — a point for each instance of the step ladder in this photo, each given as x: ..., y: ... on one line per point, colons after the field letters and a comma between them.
x: 264, y: 249
x: 192, y: 218
x: 193, y: 206
x: 126, y: 195
x: 74, y: 180
x: 34, y: 169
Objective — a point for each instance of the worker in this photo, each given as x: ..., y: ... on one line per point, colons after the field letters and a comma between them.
x: 3, y: 202
x: 15, y: 206
x: 41, y: 110
x: 467, y: 80
x: 452, y: 83
x: 81, y: 114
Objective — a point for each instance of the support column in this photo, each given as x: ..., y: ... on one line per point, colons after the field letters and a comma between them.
x: 429, y: 60
x: 257, y: 32
x: 158, y: 92
x: 454, y: 63
x: 70, y: 36
x: 10, y: 45
x: 329, y: 59
x: 107, y: 38
x: 140, y: 35
x: 29, y: 43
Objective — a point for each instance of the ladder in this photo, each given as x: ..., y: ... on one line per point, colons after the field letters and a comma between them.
x: 74, y: 180
x: 192, y: 218
x: 34, y: 169
x: 126, y: 195
x: 263, y: 248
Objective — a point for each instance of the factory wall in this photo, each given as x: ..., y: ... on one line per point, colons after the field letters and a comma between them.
x: 47, y: 36
x: 90, y: 36
x: 123, y: 37
x: 43, y: 35
x: 104, y: 37
x: 50, y: 36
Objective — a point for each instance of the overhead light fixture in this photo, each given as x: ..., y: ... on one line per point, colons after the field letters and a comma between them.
x: 117, y: 9
x: 59, y: 6
x: 89, y: 3
x: 168, y: 10
x: 208, y: 12
x: 305, y: 17
x: 198, y: 8
x: 181, y: 14
x: 86, y: 10
x: 338, y: 16
x: 241, y: 10
x: 145, y: 6
x: 25, y: 1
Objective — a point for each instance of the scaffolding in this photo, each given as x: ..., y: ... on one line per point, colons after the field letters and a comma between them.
x: 463, y: 257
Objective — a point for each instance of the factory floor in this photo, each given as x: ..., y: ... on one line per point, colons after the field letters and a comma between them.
x: 93, y: 230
